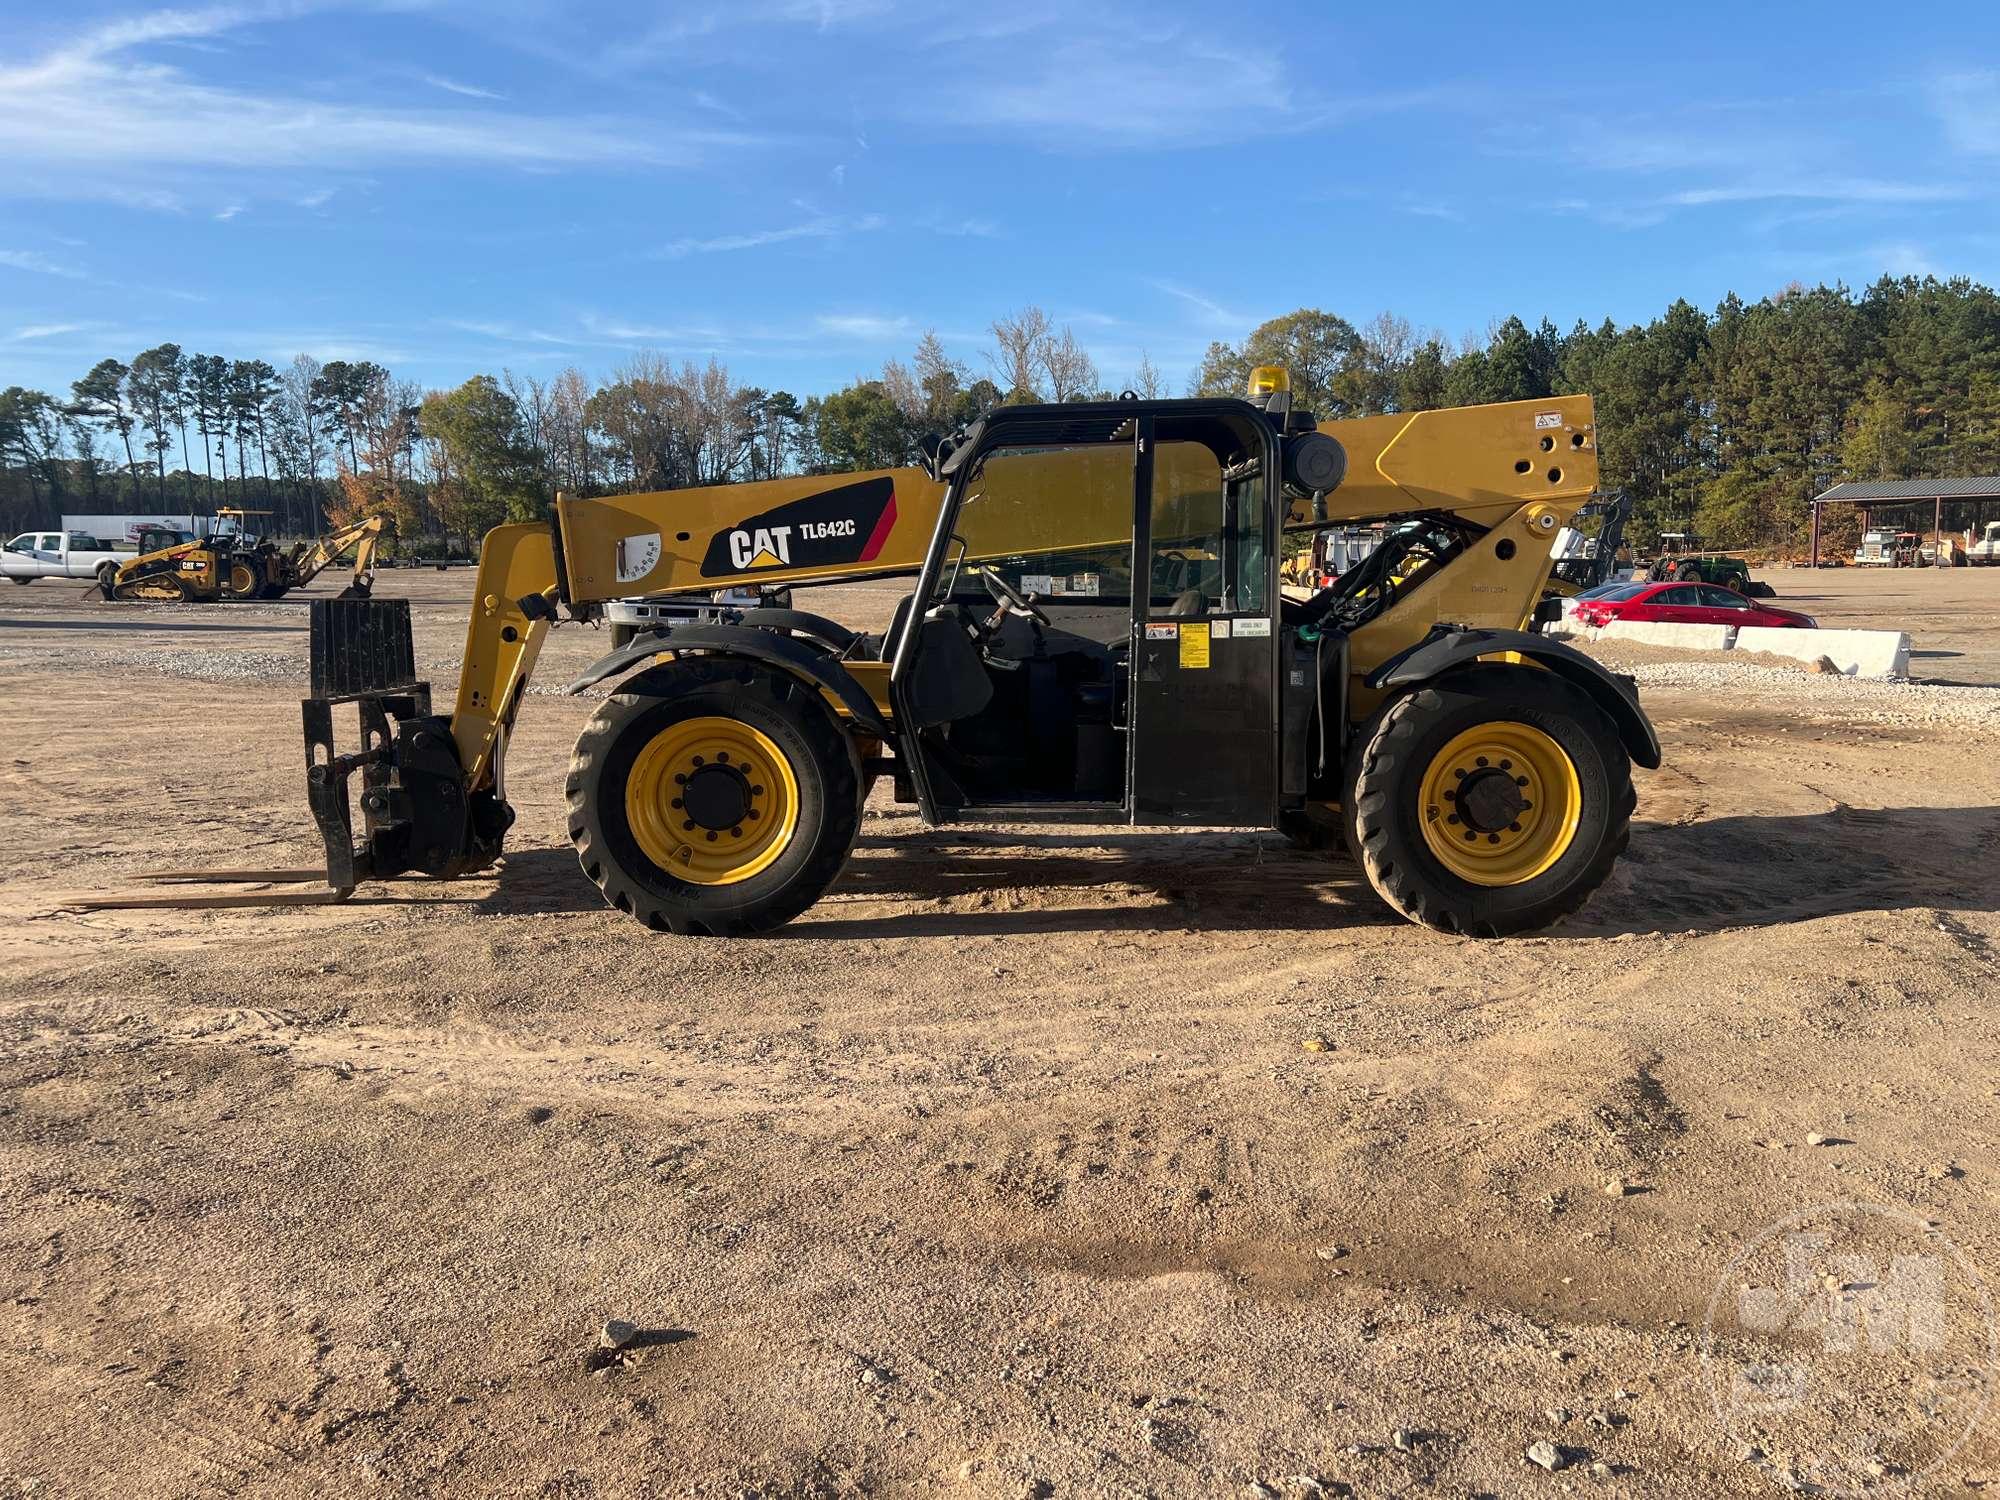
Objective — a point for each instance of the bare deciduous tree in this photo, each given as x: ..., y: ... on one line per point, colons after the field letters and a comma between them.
x: 1016, y: 356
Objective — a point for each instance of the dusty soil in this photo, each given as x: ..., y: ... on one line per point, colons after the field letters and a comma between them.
x: 1026, y: 1163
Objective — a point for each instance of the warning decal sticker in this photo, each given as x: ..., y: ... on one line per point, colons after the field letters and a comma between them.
x: 1548, y: 419
x: 1162, y: 632
x: 1194, y: 645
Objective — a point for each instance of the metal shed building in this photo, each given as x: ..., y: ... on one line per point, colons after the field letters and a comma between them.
x: 1889, y: 492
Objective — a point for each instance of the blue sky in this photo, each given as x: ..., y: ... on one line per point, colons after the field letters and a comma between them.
x: 803, y: 186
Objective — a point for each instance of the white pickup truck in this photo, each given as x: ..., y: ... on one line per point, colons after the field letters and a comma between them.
x: 59, y: 554
x: 1985, y: 553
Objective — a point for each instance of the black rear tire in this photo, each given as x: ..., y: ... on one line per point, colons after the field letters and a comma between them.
x: 242, y: 579
x: 1385, y: 808
x: 1689, y: 573
x: 777, y: 706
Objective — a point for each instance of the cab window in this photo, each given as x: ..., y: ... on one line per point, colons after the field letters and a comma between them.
x: 1020, y: 498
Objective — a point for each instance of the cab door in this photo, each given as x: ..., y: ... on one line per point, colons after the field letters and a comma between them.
x: 1204, y: 736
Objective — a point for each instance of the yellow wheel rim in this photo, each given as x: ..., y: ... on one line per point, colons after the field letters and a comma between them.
x: 242, y: 579
x: 1500, y: 803
x: 712, y: 801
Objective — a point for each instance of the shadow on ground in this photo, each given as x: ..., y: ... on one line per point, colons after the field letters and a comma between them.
x: 1744, y: 871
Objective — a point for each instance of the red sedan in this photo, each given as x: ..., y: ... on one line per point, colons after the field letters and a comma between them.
x: 1684, y: 604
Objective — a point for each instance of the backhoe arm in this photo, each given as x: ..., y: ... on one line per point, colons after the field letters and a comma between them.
x: 364, y: 536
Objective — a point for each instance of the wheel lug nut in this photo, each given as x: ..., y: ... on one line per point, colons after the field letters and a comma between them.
x: 1513, y: 827
x: 722, y: 757
x: 677, y: 802
x: 687, y: 823
x: 736, y: 832
x: 1492, y: 838
x: 1451, y: 817
x: 699, y: 761
x: 711, y: 835
x: 680, y: 780
x: 756, y: 791
x: 1520, y: 781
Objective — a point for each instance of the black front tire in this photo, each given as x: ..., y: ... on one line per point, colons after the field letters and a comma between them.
x: 780, y: 707
x: 1384, y: 803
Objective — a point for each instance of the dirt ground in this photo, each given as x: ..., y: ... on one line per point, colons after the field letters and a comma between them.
x: 1027, y: 1163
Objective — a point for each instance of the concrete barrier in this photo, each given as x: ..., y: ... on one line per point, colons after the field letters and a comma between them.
x: 1858, y: 653
x: 1661, y: 633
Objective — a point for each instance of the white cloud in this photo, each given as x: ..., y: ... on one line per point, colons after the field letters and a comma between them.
x: 34, y: 260
x: 1424, y: 208
x: 1969, y: 106
x: 318, y: 198
x: 826, y: 227
x: 1825, y: 189
x: 1105, y: 90
x: 978, y: 229
x: 1211, y: 312
x: 863, y: 326
x: 623, y: 331
x: 465, y: 90
x: 224, y: 215
x: 45, y: 331
x: 509, y: 333
x: 94, y: 106
x: 1905, y: 259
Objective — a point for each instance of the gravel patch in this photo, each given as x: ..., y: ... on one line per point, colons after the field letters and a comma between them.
x: 1821, y: 696
x: 204, y: 664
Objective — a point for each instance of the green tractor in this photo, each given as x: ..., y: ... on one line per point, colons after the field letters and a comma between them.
x: 1685, y: 558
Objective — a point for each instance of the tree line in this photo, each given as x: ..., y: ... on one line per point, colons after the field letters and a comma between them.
x: 1724, y: 422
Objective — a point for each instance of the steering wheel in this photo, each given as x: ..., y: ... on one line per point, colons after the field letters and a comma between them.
x: 1008, y: 599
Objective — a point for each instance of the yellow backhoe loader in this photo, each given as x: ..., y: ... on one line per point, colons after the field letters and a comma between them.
x: 229, y: 564
x: 1094, y: 635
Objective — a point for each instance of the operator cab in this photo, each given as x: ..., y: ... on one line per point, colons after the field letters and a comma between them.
x: 1129, y: 675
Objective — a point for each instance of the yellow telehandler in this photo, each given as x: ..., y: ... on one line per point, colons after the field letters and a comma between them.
x: 1094, y: 635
